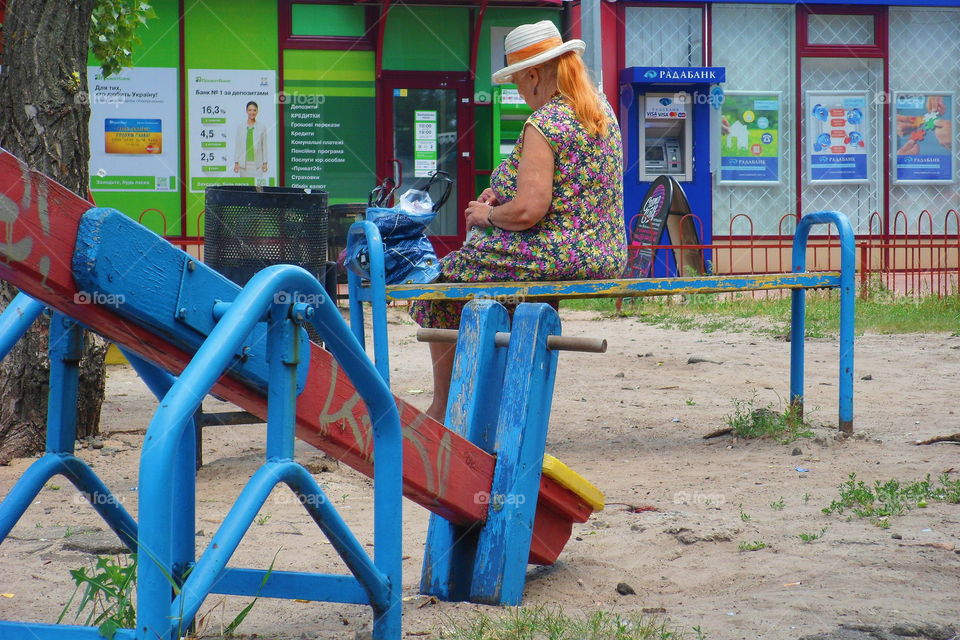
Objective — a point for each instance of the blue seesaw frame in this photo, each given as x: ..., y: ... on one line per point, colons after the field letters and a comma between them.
x: 164, y: 539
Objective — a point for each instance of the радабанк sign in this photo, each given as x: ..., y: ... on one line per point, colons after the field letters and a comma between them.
x: 679, y: 75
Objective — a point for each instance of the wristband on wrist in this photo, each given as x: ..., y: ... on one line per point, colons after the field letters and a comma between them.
x: 490, y: 217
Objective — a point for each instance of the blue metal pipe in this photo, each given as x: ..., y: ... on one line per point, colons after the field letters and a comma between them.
x: 847, y: 309
x: 16, y: 319
x: 211, y: 360
x: 30, y: 484
x: 376, y: 294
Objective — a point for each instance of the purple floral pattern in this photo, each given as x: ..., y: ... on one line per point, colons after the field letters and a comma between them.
x: 582, y: 237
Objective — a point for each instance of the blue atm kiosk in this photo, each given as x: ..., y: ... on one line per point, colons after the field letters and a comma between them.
x: 666, y: 115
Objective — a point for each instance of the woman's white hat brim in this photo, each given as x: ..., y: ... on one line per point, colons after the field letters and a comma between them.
x: 503, y: 76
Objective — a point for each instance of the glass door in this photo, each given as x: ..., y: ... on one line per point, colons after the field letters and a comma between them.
x: 425, y: 117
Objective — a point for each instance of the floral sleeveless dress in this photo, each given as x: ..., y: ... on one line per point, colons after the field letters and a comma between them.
x: 582, y: 237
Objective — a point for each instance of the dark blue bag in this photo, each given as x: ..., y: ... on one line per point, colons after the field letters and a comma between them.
x: 408, y: 254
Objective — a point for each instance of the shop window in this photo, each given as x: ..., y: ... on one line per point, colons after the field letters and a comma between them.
x: 916, y: 76
x: 337, y: 20
x: 663, y: 36
x: 825, y: 28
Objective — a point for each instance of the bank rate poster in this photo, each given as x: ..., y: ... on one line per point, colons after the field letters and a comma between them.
x: 232, y: 124
x: 134, y: 136
x: 923, y: 126
x: 750, y: 138
x: 838, y: 137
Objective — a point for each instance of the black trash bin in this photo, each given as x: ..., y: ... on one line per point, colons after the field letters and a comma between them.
x: 249, y: 228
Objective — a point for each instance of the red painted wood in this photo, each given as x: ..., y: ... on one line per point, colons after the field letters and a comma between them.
x: 442, y: 471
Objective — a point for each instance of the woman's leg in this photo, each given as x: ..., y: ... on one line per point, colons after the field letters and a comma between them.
x: 442, y: 357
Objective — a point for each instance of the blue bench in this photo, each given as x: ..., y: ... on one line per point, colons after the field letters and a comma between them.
x: 376, y: 292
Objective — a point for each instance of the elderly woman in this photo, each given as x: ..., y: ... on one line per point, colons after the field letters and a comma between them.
x: 554, y: 209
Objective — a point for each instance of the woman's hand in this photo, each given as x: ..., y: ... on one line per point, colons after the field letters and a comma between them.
x: 477, y: 214
x: 488, y: 197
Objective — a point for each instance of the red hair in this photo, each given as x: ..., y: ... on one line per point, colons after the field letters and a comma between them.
x: 574, y: 84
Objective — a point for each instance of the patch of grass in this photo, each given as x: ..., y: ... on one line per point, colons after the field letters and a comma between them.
x: 541, y: 623
x: 807, y: 538
x: 779, y: 504
x: 891, y: 498
x: 806, y: 498
x: 756, y: 545
x: 879, y: 311
x: 743, y: 514
x: 107, y: 595
x: 262, y: 518
x: 749, y: 421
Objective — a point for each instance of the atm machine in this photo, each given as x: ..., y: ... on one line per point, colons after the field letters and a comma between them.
x: 666, y: 115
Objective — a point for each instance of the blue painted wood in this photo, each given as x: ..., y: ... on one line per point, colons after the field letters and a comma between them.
x: 320, y: 587
x: 472, y: 411
x: 531, y: 291
x: 503, y: 547
x: 371, y: 290
x: 167, y: 290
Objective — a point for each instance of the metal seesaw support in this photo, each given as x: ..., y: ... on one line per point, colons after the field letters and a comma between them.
x: 166, y: 465
x: 65, y: 347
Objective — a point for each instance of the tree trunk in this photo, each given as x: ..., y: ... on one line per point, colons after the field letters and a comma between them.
x: 44, y: 114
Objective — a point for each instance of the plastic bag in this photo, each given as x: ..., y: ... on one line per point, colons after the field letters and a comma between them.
x: 408, y: 255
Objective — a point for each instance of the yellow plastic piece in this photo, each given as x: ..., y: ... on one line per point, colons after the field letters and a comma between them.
x: 573, y: 481
x: 114, y: 356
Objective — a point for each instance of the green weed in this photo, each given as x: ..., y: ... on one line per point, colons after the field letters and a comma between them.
x: 743, y: 514
x: 807, y: 538
x: 748, y: 421
x: 262, y: 518
x: 779, y: 504
x: 891, y: 498
x: 541, y: 623
x: 756, y: 545
x: 107, y: 594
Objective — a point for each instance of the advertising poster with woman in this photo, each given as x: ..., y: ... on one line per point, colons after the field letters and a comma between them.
x: 838, y: 137
x: 923, y: 126
x: 750, y: 138
x: 233, y: 122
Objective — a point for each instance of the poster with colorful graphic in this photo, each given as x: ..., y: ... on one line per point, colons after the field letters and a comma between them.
x: 232, y: 123
x: 838, y: 137
x: 923, y: 126
x: 750, y: 138
x: 133, y: 129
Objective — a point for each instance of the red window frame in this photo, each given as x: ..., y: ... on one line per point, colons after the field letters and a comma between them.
x: 879, y: 49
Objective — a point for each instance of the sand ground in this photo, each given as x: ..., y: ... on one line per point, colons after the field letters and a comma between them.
x: 632, y: 422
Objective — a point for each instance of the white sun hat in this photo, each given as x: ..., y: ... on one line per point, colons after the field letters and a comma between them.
x: 531, y: 44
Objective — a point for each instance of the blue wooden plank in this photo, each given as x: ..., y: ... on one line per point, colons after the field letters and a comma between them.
x: 503, y: 546
x: 472, y: 412
x: 142, y: 277
x: 321, y: 587
x: 530, y: 291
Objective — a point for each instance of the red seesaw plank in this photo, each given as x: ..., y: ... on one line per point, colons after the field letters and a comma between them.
x: 442, y: 471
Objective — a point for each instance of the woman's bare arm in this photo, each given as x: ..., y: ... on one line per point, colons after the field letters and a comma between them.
x: 534, y: 189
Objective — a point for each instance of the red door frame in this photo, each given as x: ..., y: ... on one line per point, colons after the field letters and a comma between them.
x: 879, y: 49
x: 461, y: 82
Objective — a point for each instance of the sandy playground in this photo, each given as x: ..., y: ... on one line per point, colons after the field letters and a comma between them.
x: 632, y: 422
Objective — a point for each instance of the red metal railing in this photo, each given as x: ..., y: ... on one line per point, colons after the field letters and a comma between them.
x: 913, y: 260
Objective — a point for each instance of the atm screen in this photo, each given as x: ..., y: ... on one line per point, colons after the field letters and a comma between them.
x: 655, y: 154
